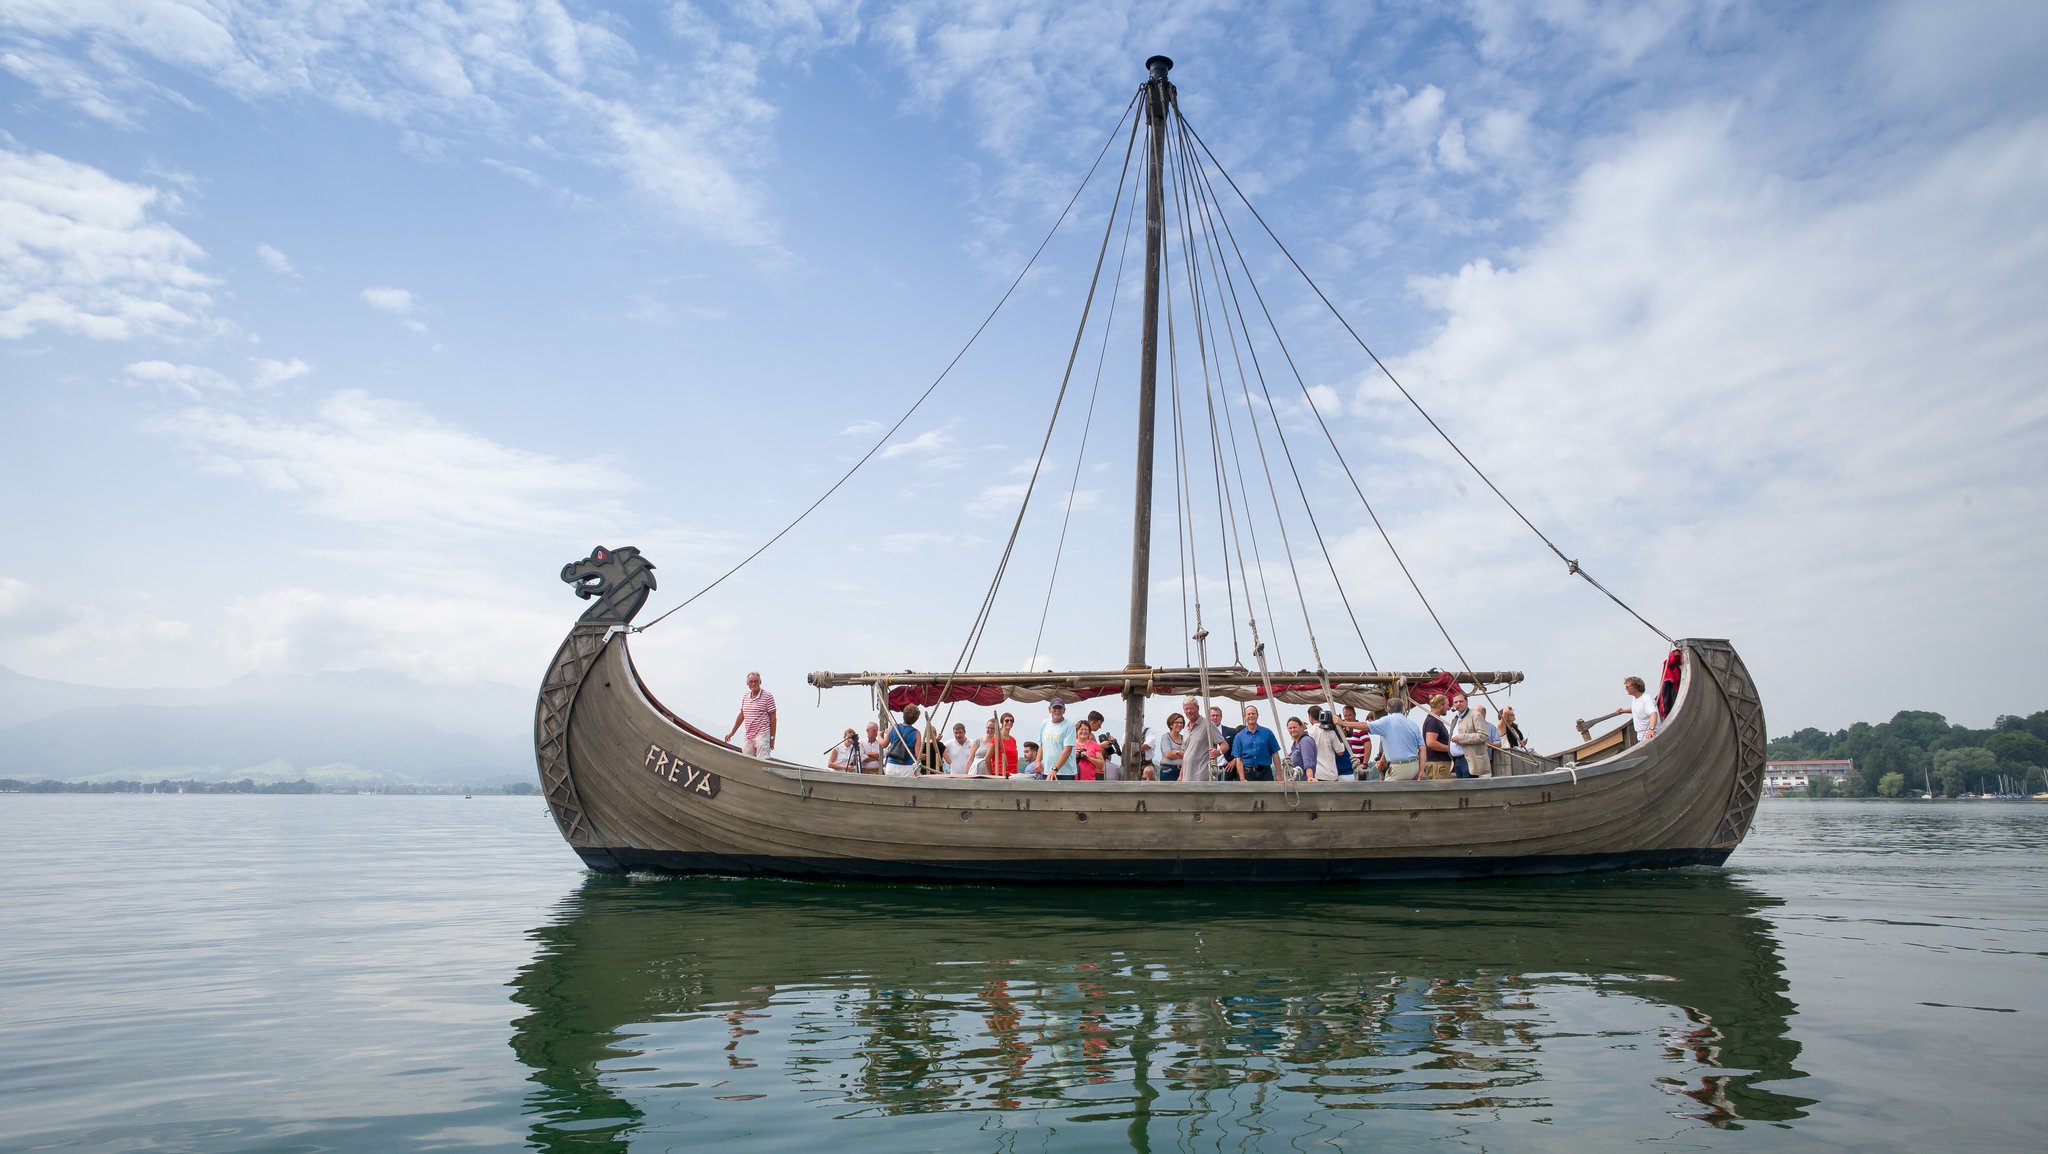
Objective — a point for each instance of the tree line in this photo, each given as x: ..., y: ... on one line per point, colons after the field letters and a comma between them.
x: 1914, y: 748
x: 246, y: 785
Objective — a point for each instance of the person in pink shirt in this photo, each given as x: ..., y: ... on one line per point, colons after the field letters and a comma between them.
x: 1087, y: 753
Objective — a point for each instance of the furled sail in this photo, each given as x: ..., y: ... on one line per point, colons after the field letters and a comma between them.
x: 1366, y: 690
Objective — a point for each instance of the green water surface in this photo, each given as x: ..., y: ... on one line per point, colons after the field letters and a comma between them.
x: 369, y: 973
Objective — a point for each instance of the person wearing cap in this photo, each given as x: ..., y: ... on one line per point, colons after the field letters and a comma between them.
x: 1056, y: 743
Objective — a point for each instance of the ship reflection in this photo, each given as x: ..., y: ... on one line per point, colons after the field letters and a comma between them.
x: 651, y: 1001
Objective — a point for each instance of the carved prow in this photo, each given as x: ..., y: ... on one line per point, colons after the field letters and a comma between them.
x: 619, y: 580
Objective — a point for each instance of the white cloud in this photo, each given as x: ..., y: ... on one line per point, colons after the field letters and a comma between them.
x: 441, y: 639
x: 396, y: 301
x: 682, y: 135
x: 796, y: 28
x: 390, y: 467
x: 914, y: 542
x: 1614, y: 34
x: 994, y: 499
x: 1932, y: 51
x: 930, y: 441
x: 82, y: 252
x: 45, y: 631
x: 274, y: 260
x: 1002, y: 499
x: 16, y: 596
x: 1414, y: 117
x: 1450, y: 148
x: 185, y: 379
x: 1764, y: 409
x: 271, y: 373
x: 189, y: 380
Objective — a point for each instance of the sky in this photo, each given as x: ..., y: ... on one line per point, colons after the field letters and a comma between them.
x: 330, y: 332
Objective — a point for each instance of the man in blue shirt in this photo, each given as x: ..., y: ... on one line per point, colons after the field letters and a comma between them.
x: 1056, y: 743
x: 1400, y: 743
x: 1252, y: 750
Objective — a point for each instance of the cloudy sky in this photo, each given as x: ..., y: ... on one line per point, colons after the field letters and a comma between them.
x: 330, y: 331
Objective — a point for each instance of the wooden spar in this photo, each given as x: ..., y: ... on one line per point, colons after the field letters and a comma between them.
x: 1140, y: 677
x: 1158, y: 95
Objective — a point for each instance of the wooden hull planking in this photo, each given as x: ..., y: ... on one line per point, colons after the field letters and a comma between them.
x: 633, y: 787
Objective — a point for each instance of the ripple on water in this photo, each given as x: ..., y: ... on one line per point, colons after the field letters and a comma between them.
x: 424, y: 974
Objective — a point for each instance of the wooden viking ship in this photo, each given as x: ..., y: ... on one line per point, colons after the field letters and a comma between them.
x: 633, y: 786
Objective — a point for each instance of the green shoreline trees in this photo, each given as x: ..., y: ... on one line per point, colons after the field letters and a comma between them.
x: 1915, y: 746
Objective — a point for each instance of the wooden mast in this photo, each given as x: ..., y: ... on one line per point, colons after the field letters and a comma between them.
x: 1159, y: 96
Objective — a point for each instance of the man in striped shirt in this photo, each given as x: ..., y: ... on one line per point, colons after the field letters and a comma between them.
x: 1368, y: 750
x: 757, y: 715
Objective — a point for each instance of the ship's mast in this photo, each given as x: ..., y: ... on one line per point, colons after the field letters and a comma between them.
x: 1159, y: 97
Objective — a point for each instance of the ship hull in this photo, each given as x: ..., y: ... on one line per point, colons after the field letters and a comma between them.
x: 1138, y: 872
x: 636, y: 788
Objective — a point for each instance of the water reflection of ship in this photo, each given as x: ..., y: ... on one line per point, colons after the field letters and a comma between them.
x: 1409, y: 996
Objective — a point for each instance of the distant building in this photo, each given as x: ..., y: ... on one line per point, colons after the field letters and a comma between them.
x: 1788, y: 777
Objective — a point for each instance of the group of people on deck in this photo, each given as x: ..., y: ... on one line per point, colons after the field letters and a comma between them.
x: 1447, y: 738
x: 1444, y: 738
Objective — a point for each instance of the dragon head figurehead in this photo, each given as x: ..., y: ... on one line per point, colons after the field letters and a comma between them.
x: 620, y: 580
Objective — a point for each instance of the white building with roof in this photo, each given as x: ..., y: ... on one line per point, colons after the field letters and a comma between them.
x: 1783, y: 778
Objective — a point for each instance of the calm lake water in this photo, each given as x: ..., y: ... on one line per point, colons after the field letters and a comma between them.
x: 401, y: 974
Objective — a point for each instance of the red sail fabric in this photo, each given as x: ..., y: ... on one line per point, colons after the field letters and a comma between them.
x: 931, y: 693
x: 1444, y: 683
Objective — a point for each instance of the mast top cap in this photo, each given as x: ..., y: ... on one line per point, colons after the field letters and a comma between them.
x: 1159, y: 66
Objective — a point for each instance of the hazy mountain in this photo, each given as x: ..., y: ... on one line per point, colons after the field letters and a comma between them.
x: 267, y: 740
x: 361, y: 727
x: 487, y: 709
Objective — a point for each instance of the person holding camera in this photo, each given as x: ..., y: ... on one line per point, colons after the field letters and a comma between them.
x: 1112, y: 749
x: 1332, y: 754
x: 845, y: 757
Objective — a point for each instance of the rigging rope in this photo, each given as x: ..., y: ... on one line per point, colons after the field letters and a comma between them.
x: 1222, y: 471
x: 1222, y: 268
x: 1202, y: 303
x: 1184, y: 520
x: 1087, y: 424
x: 929, y: 389
x: 975, y: 632
x: 1327, y: 435
x: 1571, y: 566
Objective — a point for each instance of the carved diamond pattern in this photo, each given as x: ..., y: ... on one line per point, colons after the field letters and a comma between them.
x: 1728, y: 670
x: 551, y: 723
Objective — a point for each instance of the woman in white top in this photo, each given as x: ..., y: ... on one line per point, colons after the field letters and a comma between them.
x: 846, y: 755
x: 959, y: 752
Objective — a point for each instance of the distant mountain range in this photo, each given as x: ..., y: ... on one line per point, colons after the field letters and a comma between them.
x: 363, y: 728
